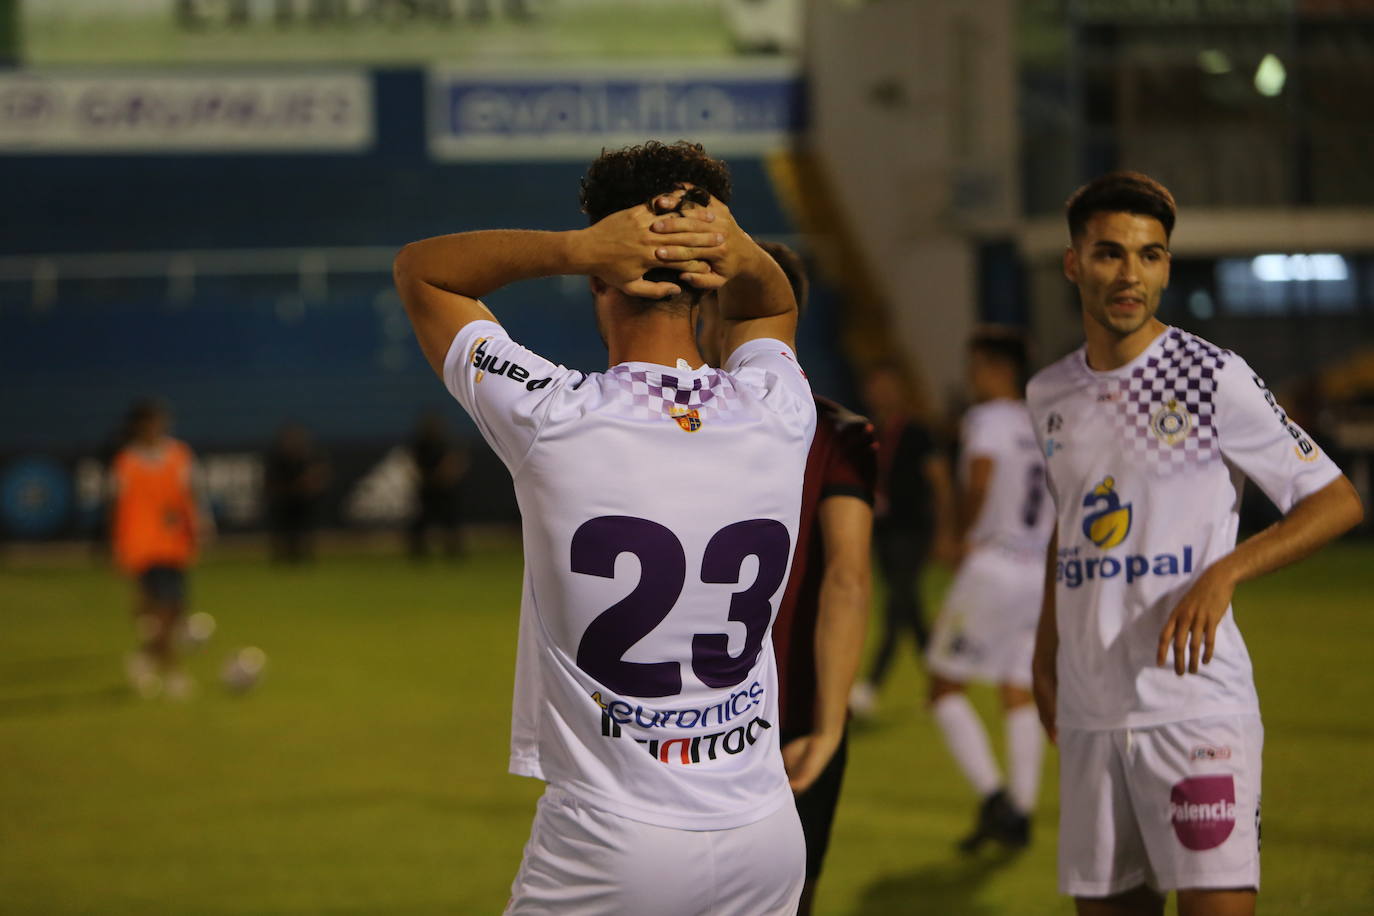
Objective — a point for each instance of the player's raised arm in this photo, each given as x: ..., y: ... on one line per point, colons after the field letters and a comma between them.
x: 441, y: 280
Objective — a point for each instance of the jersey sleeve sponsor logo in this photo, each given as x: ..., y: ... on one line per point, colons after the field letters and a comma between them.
x: 1171, y: 423
x: 1303, y: 446
x: 485, y: 362
x: 1202, y: 810
x: 688, y: 419
x: 1109, y: 524
x: 788, y: 356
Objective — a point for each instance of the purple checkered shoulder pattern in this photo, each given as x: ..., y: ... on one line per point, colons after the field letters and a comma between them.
x: 650, y: 394
x: 1183, y: 372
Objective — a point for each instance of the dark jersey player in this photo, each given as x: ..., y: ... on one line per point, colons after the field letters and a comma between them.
x: 818, y: 633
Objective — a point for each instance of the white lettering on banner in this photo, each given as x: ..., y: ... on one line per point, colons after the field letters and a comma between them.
x: 233, y: 484
x: 386, y: 493
x: 51, y: 112
x: 568, y: 113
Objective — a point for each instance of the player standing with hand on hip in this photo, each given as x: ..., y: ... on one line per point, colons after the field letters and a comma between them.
x: 660, y: 502
x: 1140, y: 671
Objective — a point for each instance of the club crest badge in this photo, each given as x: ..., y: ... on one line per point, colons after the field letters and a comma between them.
x: 1171, y: 423
x: 689, y: 420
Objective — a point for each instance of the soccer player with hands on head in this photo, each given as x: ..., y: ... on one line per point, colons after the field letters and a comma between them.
x: 1140, y: 672
x: 660, y: 502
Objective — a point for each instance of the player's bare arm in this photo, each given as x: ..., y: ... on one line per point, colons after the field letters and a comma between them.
x: 442, y: 279
x: 972, y: 496
x: 755, y: 298
x: 1313, y: 522
x: 1044, y: 674
x: 846, y: 524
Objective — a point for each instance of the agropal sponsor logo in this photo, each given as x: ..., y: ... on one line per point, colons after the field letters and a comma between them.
x: 1202, y: 810
x: 1107, y: 524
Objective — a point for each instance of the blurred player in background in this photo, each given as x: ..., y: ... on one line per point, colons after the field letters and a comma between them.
x: 913, y: 515
x: 986, y: 630
x: 157, y: 523
x: 1139, y: 667
x: 660, y: 505
x: 818, y: 634
x: 440, y: 466
x: 296, y: 475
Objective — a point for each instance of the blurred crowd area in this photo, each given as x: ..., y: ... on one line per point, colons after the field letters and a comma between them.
x: 204, y: 197
x: 295, y: 486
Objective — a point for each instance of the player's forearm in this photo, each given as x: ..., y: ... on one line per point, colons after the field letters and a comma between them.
x: 974, y: 493
x: 1318, y: 519
x: 941, y: 482
x: 971, y: 506
x: 759, y: 290
x: 841, y: 625
x: 1047, y: 628
x: 474, y: 264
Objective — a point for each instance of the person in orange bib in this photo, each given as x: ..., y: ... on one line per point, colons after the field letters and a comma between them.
x: 156, y: 526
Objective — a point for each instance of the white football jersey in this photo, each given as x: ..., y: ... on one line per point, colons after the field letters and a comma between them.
x: 1146, y: 464
x: 659, y: 510
x: 1017, y: 513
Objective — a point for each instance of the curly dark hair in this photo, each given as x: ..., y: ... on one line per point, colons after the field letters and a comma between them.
x: 1121, y: 192
x: 622, y: 178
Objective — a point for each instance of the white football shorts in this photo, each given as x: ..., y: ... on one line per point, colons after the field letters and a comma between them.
x: 582, y: 861
x: 986, y: 629
x: 1175, y: 806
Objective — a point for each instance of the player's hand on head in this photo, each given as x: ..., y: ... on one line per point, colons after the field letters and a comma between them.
x: 1191, y: 630
x: 620, y: 249
x: 705, y: 236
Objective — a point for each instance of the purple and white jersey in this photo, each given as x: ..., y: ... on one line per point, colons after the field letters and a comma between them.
x: 659, y: 510
x: 1017, y: 514
x: 1146, y: 465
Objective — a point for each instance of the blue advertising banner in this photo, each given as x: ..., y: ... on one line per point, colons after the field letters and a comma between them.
x: 573, y: 113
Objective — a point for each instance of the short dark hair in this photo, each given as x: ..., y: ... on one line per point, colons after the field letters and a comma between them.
x: 145, y: 409
x: 794, y: 267
x: 1004, y: 344
x: 619, y: 179
x: 1121, y: 192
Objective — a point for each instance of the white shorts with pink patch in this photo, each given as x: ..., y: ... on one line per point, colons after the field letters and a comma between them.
x: 1174, y: 806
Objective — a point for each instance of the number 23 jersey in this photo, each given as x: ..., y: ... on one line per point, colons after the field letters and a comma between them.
x: 1147, y: 464
x: 659, y: 511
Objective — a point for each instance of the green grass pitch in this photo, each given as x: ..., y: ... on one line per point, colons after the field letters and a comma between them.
x: 367, y: 772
